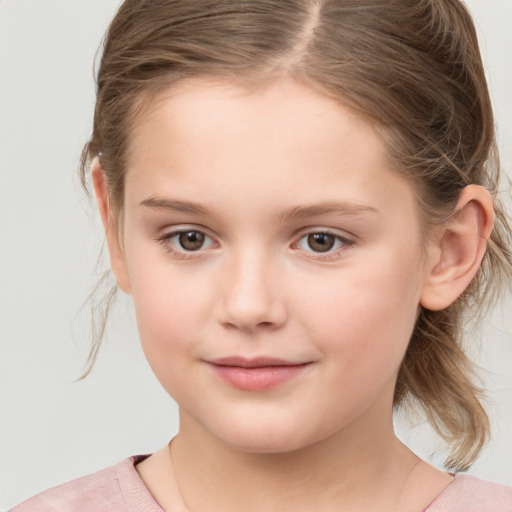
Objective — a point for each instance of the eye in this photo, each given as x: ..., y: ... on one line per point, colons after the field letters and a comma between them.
x: 322, y: 242
x: 187, y: 240
x: 190, y: 240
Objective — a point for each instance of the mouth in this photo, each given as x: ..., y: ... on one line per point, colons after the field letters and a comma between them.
x: 257, y: 374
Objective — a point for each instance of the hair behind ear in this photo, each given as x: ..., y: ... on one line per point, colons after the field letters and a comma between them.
x: 437, y: 373
x: 103, y: 295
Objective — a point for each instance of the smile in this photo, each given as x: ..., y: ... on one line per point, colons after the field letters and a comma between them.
x: 256, y: 374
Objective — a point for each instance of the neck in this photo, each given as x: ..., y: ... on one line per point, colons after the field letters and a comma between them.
x: 361, y: 468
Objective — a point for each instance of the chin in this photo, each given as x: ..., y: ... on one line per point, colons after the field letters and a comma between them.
x: 267, y: 438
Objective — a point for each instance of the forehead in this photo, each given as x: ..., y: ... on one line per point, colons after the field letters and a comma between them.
x: 282, y: 137
x: 283, y: 112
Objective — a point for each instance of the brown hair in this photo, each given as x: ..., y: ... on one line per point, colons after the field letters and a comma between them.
x: 411, y: 66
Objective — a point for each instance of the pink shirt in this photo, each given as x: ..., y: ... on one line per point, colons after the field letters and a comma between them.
x: 119, y: 488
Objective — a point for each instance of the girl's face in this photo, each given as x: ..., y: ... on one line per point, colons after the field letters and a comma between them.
x: 275, y: 262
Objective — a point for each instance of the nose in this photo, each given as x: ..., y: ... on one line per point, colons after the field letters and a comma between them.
x: 253, y: 297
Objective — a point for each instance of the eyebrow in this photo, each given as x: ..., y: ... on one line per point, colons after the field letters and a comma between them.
x: 327, y: 208
x: 163, y: 203
x: 295, y: 213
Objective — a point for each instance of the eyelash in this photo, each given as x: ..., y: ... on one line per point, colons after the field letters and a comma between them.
x: 330, y: 254
x: 166, y: 241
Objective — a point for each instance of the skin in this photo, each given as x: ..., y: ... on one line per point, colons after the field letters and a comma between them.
x: 257, y: 172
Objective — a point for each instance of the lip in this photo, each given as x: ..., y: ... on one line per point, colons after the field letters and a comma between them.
x: 256, y: 374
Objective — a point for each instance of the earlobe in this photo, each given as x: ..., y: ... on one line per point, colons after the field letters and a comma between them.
x: 117, y: 259
x: 458, y: 249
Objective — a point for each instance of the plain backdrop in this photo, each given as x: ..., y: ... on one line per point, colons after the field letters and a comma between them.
x: 53, y: 428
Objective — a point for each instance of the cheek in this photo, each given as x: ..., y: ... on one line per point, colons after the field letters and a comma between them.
x: 365, y: 316
x: 167, y: 320
x: 171, y: 308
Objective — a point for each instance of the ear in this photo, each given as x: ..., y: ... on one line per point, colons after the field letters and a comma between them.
x: 458, y: 249
x: 117, y: 259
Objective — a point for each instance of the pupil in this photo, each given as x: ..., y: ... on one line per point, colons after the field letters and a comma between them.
x: 321, y: 242
x: 191, y: 240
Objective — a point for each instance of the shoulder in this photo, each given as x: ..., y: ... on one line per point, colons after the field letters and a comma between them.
x: 117, y: 489
x: 471, y: 494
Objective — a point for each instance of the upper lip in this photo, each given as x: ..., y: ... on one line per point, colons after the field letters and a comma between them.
x: 255, y: 362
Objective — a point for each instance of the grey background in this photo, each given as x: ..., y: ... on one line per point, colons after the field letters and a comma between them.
x: 53, y: 429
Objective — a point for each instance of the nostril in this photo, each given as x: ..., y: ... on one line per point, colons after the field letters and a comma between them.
x: 250, y: 326
x: 251, y: 320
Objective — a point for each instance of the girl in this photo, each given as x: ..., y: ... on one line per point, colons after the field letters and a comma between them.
x: 300, y: 197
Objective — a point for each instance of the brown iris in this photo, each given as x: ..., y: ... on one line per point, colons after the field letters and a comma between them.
x: 321, y: 242
x: 191, y: 240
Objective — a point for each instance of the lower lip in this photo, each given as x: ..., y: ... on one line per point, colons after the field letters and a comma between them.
x: 260, y: 378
